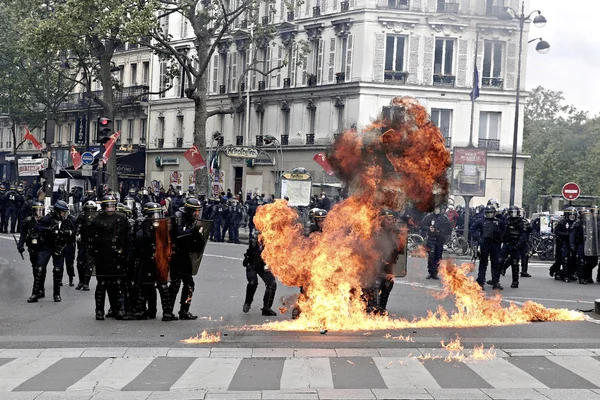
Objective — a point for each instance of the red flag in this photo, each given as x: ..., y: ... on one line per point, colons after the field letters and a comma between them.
x: 32, y: 139
x: 194, y: 157
x: 76, y: 158
x: 108, y: 146
x: 322, y: 161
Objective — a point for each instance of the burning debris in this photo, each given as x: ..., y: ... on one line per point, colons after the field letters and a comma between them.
x: 399, y: 159
x: 204, y: 337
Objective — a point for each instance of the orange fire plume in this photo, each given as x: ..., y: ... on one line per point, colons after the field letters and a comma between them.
x: 397, y: 160
x: 204, y: 337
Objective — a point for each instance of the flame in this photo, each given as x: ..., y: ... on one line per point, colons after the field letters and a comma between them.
x: 480, y: 354
x: 163, y: 250
x: 204, y: 337
x: 399, y: 159
x: 419, y: 252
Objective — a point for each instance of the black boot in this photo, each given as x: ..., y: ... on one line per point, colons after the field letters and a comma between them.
x: 514, y: 285
x: 165, y: 302
x: 250, y: 290
x: 100, y: 298
x: 268, y: 312
x: 80, y: 286
x: 99, y: 315
x: 386, y: 289
x: 56, y: 291
x: 37, y: 282
x: 187, y: 294
x: 71, y: 284
x: 185, y: 314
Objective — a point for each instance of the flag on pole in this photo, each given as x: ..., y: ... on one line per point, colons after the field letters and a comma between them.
x: 475, y: 92
x: 194, y: 157
x: 108, y: 146
x: 76, y: 158
x: 321, y: 159
x: 32, y: 139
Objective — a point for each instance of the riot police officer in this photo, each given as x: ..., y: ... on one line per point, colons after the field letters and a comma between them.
x: 564, y: 255
x: 528, y: 229
x: 489, y: 229
x: 318, y: 217
x: 30, y: 237
x: 217, y: 216
x: 437, y: 228
x: 189, y: 243
x: 584, y: 238
x: 108, y: 233
x: 12, y: 204
x: 255, y: 267
x: 238, y: 215
x: 55, y: 233
x: 69, y: 251
x: 513, y: 240
x: 85, y: 259
x: 20, y: 203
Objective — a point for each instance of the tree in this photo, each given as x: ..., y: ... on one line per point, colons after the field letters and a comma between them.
x: 211, y: 23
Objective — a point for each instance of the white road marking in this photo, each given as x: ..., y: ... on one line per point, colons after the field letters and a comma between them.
x: 16, y: 372
x: 228, y: 258
x: 405, y: 373
x: 112, y: 374
x: 208, y: 373
x: 503, y: 375
x: 300, y: 373
x: 586, y: 367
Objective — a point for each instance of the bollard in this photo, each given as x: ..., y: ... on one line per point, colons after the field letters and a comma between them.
x: 597, y: 306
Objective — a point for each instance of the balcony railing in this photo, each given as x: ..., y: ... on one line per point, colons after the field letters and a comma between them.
x: 311, y: 80
x: 287, y: 83
x: 239, y: 140
x: 444, y: 80
x: 397, y: 5
x: 340, y: 77
x: 395, y: 76
x: 492, y: 82
x: 290, y: 16
x: 317, y: 11
x: 447, y: 8
x: 490, y: 144
x: 310, y: 138
x: 259, y: 140
x: 345, y: 6
x: 448, y: 142
x: 285, y: 140
x: 161, y: 143
x: 179, y: 142
x: 265, y: 20
x: 222, y: 89
x: 261, y: 85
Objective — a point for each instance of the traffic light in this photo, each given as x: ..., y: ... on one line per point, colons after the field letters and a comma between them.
x: 104, y: 128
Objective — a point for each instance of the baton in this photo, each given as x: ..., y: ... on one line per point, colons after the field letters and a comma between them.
x: 17, y: 243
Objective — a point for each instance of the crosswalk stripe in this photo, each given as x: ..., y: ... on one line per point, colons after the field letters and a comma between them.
x: 60, y: 375
x: 301, y: 373
x: 16, y: 372
x: 208, y: 373
x: 586, y: 367
x: 112, y: 374
x: 258, y: 374
x: 404, y: 373
x: 503, y: 375
x: 160, y: 375
x: 355, y: 373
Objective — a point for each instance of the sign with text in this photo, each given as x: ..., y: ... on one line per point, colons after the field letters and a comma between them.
x: 297, y: 187
x: 31, y: 167
x: 80, y: 130
x: 469, y: 167
x: 241, y: 152
x: 571, y: 191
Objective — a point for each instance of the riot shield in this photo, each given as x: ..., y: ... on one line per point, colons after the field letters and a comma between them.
x: 163, y: 248
x: 400, y: 268
x: 109, y: 242
x: 200, y: 244
x: 590, y: 233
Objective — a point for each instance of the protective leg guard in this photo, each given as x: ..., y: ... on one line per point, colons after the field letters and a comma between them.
x: 386, y: 289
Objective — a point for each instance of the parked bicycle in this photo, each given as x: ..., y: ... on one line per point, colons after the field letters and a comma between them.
x: 542, y: 246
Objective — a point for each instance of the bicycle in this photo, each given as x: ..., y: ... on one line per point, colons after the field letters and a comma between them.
x: 458, y: 244
x: 414, y: 240
x: 543, y: 246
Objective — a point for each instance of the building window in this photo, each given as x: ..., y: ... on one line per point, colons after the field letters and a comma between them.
x: 143, y: 123
x: 492, y: 65
x: 286, y: 122
x: 145, y: 72
x: 162, y: 79
x: 495, y: 8
x: 70, y: 133
x: 133, y: 75
x: 180, y: 126
x: 161, y: 132
x: 129, y: 130
x: 489, y: 130
x: 118, y: 127
x: 1, y: 138
x: 58, y: 134
x: 121, y: 74
x: 442, y: 118
x: 443, y: 66
x: 394, y: 53
x: 312, y: 120
x: 164, y: 24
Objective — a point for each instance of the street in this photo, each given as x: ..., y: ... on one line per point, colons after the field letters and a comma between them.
x: 51, y: 349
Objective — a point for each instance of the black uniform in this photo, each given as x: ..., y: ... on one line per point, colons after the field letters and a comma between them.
x: 565, y: 257
x: 489, y: 231
x: 3, y: 211
x: 70, y: 248
x: 32, y: 239
x: 514, y: 240
x: 108, y: 233
x: 255, y: 267
x: 437, y: 228
x: 85, y: 257
x: 13, y: 203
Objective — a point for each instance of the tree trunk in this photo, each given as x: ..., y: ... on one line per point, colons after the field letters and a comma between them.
x: 109, y: 112
x: 200, y: 116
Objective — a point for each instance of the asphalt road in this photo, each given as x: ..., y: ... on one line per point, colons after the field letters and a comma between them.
x: 220, y: 288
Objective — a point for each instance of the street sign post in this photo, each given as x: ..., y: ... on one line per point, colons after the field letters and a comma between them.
x: 86, y: 170
x: 87, y: 158
x: 571, y: 191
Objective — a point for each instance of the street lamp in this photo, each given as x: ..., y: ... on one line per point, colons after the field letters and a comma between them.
x: 215, y: 136
x: 268, y: 139
x: 542, y: 47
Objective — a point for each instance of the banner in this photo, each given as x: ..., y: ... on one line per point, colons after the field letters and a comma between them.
x: 469, y: 171
x: 32, y: 139
x: 31, y: 167
x: 76, y: 158
x: 321, y: 159
x: 108, y: 146
x: 194, y: 157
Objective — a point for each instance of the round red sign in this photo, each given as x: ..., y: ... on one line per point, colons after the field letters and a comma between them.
x: 571, y: 191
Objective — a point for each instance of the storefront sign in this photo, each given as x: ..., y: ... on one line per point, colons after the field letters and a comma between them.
x: 167, y: 160
x: 469, y: 170
x: 31, y: 167
x: 263, y: 159
x: 241, y: 152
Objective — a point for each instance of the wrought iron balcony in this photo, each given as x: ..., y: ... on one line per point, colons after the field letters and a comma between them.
x: 317, y: 11
x: 287, y: 83
x: 222, y: 89
x: 285, y: 140
x: 492, y: 82
x: 311, y: 80
x: 259, y: 140
x: 490, y: 144
x: 444, y: 80
x: 142, y: 141
x: 239, y: 140
x: 262, y: 85
x: 290, y: 16
x: 265, y: 20
x: 161, y: 143
x: 395, y: 76
x: 243, y: 24
x: 179, y: 142
x: 345, y: 6
x: 340, y: 77
x: 451, y: 8
x: 310, y: 138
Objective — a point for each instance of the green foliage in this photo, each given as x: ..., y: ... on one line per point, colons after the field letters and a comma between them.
x: 564, y: 145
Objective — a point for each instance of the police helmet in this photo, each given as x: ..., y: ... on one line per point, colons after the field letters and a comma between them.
x: 131, y: 192
x: 129, y: 202
x: 2, y: 188
x: 493, y: 202
x: 192, y: 205
x: 144, y: 192
x: 311, y: 213
x: 489, y: 211
x: 570, y: 213
x: 61, y: 209
x: 108, y: 203
x: 38, y: 209
x: 121, y: 207
x: 12, y: 187
x: 152, y: 210
x: 90, y: 192
x: 580, y: 211
x: 594, y: 209
x: 514, y: 212
x: 320, y: 214
x: 20, y: 189
x: 90, y: 205
x: 386, y: 213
